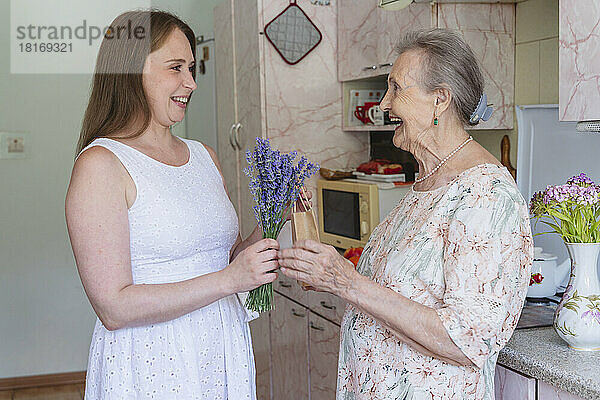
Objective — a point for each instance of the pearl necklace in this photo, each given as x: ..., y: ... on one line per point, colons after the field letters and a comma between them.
x: 419, y: 180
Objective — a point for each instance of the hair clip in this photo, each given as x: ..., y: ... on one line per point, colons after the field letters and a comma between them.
x: 482, y: 112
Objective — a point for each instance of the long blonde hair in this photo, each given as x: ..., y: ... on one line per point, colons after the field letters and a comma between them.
x: 117, y: 100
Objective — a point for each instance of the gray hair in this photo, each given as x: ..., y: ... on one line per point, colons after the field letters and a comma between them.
x: 448, y: 62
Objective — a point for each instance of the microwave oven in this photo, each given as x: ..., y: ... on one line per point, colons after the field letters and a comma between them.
x: 350, y: 209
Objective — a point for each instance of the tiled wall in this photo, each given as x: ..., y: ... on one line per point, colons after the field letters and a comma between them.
x: 536, y: 65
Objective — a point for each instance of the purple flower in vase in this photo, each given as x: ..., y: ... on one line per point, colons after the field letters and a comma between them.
x: 580, y: 180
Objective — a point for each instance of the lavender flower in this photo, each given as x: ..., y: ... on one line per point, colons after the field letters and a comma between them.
x: 275, y: 185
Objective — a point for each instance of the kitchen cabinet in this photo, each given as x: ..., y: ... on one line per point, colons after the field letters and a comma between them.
x: 289, y: 349
x: 324, y: 339
x: 289, y: 287
x: 327, y: 305
x: 296, y: 349
x: 579, y: 52
x: 510, y: 385
x: 549, y: 392
x: 367, y: 37
x: 239, y: 114
x: 260, y: 329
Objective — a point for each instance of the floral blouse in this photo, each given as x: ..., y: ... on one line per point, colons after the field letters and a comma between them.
x: 465, y: 250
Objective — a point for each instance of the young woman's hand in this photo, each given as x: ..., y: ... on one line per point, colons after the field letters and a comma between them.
x: 253, y: 266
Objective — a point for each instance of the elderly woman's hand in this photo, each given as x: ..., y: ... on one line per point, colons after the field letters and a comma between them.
x: 318, y: 265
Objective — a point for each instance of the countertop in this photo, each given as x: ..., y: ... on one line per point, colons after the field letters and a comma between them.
x: 542, y: 354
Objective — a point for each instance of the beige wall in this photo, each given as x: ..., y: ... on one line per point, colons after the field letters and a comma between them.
x: 536, y: 66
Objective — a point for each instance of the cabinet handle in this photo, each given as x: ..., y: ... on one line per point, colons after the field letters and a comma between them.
x: 370, y: 67
x: 386, y: 65
x: 231, y: 136
x: 327, y: 306
x: 285, y: 284
x: 298, y: 314
x: 236, y: 135
x: 316, y: 327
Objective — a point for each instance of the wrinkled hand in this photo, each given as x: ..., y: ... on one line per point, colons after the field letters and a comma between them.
x: 299, y: 205
x: 318, y: 265
x: 253, y: 266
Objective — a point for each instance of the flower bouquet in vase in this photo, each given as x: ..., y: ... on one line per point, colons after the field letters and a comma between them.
x: 572, y: 210
x: 275, y: 183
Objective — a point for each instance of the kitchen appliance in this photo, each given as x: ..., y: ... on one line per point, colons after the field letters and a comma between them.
x: 546, y: 275
x: 349, y: 210
x: 548, y: 153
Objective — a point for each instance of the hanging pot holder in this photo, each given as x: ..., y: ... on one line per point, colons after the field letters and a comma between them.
x: 293, y: 34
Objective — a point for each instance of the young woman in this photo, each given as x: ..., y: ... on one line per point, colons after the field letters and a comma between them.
x: 154, y: 234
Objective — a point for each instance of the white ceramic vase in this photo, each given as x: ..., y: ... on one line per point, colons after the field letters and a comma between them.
x: 577, y: 317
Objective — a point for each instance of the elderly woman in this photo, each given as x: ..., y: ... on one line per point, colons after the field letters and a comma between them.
x: 440, y: 285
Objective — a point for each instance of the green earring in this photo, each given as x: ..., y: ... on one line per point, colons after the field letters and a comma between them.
x: 435, y: 121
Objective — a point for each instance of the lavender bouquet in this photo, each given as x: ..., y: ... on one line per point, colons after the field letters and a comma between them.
x: 572, y: 210
x: 275, y: 185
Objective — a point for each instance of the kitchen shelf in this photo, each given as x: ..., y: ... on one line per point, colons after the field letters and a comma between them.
x: 367, y: 128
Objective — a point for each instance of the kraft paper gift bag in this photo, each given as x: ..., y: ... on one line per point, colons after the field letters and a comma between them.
x: 304, y: 225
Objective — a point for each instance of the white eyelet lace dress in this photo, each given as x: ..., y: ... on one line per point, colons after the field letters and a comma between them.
x: 182, y: 225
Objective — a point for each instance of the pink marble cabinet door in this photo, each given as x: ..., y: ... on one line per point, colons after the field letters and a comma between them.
x: 249, y: 99
x: 395, y: 24
x: 261, y: 344
x: 226, y: 100
x: 579, y: 60
x: 291, y: 288
x: 488, y: 30
x: 324, y: 347
x: 510, y: 385
x: 327, y: 305
x: 289, y: 349
x: 549, y: 392
x: 358, y: 36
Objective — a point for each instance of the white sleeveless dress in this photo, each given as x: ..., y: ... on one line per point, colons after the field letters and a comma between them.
x: 182, y: 225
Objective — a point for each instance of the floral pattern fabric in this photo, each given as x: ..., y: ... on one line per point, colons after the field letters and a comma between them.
x: 465, y: 250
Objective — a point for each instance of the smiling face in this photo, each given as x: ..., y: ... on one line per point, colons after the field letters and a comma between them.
x: 407, y: 100
x: 167, y: 79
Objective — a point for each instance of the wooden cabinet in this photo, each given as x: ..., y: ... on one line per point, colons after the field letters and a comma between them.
x: 367, y: 37
x: 579, y: 55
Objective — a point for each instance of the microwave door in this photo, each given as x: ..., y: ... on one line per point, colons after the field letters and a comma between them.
x: 341, y: 213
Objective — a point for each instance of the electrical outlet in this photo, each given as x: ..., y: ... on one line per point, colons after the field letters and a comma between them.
x: 13, y: 145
